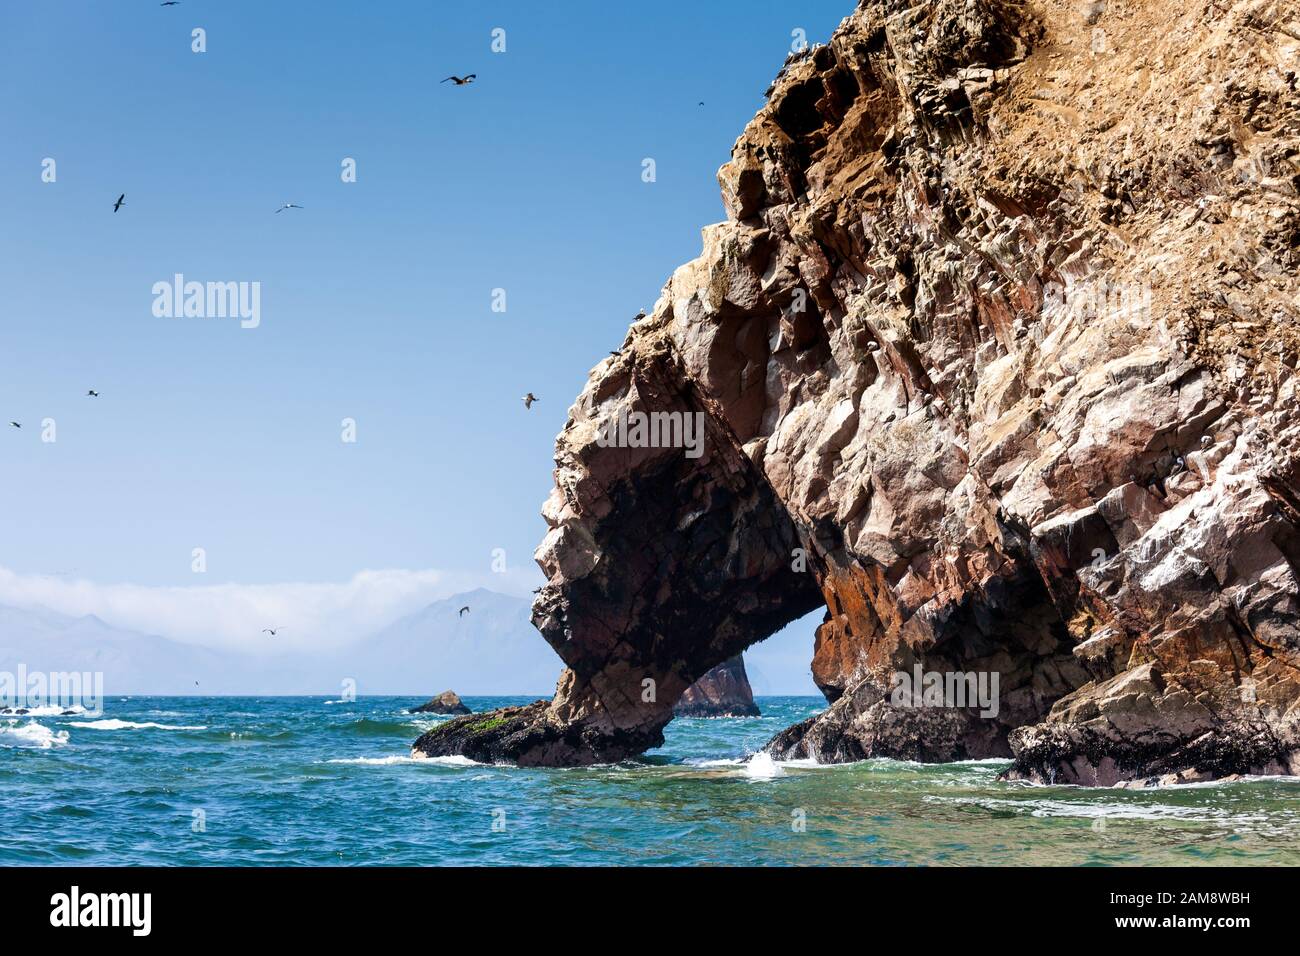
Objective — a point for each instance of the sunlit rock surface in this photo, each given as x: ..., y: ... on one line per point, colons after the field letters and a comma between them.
x: 995, y: 361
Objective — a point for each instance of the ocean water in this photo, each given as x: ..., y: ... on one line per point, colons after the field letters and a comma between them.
x: 309, y: 781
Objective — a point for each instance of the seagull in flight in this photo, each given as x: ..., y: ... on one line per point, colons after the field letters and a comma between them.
x: 172, y: 3
x: 460, y: 80
x: 529, y: 399
x: 121, y: 201
x: 463, y: 611
x: 272, y: 630
x: 15, y: 424
x: 92, y: 394
x: 288, y: 205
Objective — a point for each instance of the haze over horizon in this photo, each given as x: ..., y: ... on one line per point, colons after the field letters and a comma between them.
x: 492, y: 650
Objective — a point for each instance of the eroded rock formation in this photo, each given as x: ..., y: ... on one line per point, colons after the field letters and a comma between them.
x: 448, y: 702
x: 995, y: 358
x: 722, y: 692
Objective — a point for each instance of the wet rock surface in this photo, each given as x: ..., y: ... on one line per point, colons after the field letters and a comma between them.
x: 995, y: 360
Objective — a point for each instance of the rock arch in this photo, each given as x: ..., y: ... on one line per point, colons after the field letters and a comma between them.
x: 910, y: 365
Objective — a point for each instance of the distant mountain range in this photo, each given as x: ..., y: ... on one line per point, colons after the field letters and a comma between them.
x: 131, y: 663
x: 491, y: 650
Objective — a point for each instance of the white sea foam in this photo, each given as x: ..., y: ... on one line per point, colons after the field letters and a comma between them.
x: 761, y: 766
x: 48, y: 710
x: 1244, y: 778
x: 456, y: 760
x: 113, y: 724
x: 452, y: 761
x: 1180, y: 785
x: 1110, y: 811
x: 713, y: 762
x: 31, y: 735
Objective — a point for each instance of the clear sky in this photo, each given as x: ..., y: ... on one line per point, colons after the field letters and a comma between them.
x: 376, y: 297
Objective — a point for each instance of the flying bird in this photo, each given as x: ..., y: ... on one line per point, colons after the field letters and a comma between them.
x: 272, y: 630
x: 529, y: 399
x: 172, y: 3
x: 460, y: 80
x: 288, y: 205
x: 15, y: 424
x: 92, y: 394
x: 463, y: 611
x: 121, y: 201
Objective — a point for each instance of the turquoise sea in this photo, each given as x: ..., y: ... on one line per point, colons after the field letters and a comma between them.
x: 311, y: 781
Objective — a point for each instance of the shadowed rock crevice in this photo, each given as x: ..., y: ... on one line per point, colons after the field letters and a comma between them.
x: 995, y: 360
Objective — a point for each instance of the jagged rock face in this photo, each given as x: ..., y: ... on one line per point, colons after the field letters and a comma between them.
x: 996, y: 360
x: 722, y: 692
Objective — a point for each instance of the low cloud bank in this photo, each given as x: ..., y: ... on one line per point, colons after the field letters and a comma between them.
x: 306, y: 615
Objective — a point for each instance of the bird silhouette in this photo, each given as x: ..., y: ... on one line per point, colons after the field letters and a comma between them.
x: 460, y: 80
x: 529, y: 399
x: 272, y: 630
x: 92, y: 394
x: 15, y: 424
x: 288, y: 205
x: 121, y: 201
x: 463, y: 611
x: 171, y: 3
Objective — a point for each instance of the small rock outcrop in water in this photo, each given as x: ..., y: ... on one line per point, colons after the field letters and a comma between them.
x: 722, y: 692
x: 445, y: 703
x: 994, y: 360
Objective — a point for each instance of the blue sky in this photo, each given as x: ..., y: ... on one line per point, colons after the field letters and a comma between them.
x: 376, y: 297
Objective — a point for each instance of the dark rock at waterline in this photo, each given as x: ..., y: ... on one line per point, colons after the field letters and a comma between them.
x: 1192, y: 739
x: 722, y: 692
x: 529, y: 736
x: 445, y: 703
x: 864, y: 723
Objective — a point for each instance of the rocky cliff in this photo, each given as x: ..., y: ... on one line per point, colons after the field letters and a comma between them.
x: 995, y: 360
x: 722, y: 692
